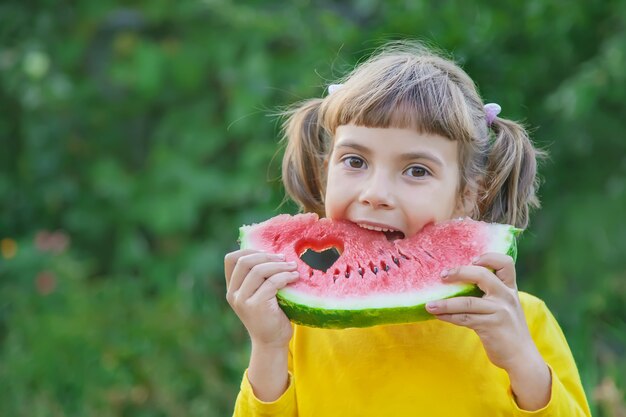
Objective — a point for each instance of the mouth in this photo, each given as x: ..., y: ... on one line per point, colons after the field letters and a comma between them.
x: 391, y: 233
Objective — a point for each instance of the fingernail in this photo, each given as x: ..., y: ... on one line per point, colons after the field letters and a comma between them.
x: 295, y: 274
x: 475, y: 259
x: 444, y: 273
x: 432, y: 306
x: 292, y: 263
x: 279, y: 257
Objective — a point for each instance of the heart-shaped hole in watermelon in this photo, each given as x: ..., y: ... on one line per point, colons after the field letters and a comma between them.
x: 321, y: 261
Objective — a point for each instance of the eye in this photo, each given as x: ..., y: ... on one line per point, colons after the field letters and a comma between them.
x: 416, y: 171
x: 354, y: 162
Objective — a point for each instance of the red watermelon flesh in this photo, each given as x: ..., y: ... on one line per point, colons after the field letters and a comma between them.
x: 374, y: 280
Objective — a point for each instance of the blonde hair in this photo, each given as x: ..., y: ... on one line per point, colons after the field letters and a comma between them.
x: 405, y: 85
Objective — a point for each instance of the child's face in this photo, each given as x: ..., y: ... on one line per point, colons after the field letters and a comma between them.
x: 392, y: 178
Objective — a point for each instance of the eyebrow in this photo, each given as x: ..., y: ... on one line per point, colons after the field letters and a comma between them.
x: 405, y: 156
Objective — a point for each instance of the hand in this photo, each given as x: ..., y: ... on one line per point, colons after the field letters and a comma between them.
x: 252, y: 280
x: 499, y: 321
x: 497, y: 317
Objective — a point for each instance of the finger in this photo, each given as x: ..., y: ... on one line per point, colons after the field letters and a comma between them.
x: 245, y: 263
x: 472, y: 321
x: 259, y: 273
x: 231, y: 259
x: 486, y: 280
x: 458, y: 305
x: 502, y: 265
x: 270, y: 287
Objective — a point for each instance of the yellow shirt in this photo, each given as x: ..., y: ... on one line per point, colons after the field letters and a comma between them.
x: 432, y: 368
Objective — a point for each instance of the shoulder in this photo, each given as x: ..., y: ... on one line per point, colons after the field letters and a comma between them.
x: 546, y: 332
x: 529, y: 300
x: 533, y: 306
x: 538, y: 316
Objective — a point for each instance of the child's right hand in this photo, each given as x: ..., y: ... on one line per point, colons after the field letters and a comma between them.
x: 252, y: 280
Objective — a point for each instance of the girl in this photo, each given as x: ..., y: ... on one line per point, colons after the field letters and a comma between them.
x: 406, y: 141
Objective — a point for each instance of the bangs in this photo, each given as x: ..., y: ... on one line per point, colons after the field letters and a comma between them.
x: 401, y: 94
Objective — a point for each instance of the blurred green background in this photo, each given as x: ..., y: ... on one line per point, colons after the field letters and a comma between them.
x: 137, y: 136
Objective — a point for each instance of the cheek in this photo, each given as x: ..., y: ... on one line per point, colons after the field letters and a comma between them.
x: 452, y: 206
x: 439, y: 204
x: 331, y: 200
x: 336, y: 196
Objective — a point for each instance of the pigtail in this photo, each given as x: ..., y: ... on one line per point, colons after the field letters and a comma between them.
x: 511, y: 181
x: 303, y: 162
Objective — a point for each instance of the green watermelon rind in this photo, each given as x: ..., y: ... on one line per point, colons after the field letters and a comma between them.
x: 339, y: 319
x: 504, y: 241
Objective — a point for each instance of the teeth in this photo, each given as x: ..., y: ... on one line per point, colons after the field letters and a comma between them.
x: 377, y: 229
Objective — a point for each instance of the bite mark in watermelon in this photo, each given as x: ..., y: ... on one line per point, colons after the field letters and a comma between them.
x: 374, y: 281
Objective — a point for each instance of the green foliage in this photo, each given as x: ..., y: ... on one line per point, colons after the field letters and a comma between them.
x: 140, y: 133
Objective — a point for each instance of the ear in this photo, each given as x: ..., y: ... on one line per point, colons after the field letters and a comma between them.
x: 325, y: 164
x: 466, y: 205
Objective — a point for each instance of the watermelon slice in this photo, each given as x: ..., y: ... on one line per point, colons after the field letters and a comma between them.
x: 374, y: 280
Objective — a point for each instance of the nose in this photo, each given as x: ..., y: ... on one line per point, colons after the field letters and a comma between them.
x: 377, y: 191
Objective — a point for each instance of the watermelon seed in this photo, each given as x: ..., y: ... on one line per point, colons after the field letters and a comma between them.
x: 384, y: 266
x: 347, y: 275
x: 336, y: 275
x: 396, y: 260
x: 310, y: 272
x: 361, y: 271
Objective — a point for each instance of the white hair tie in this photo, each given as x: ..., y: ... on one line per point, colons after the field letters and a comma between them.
x: 492, y: 110
x: 334, y: 87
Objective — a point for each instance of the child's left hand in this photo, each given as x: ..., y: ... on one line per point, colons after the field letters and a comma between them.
x: 497, y: 317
